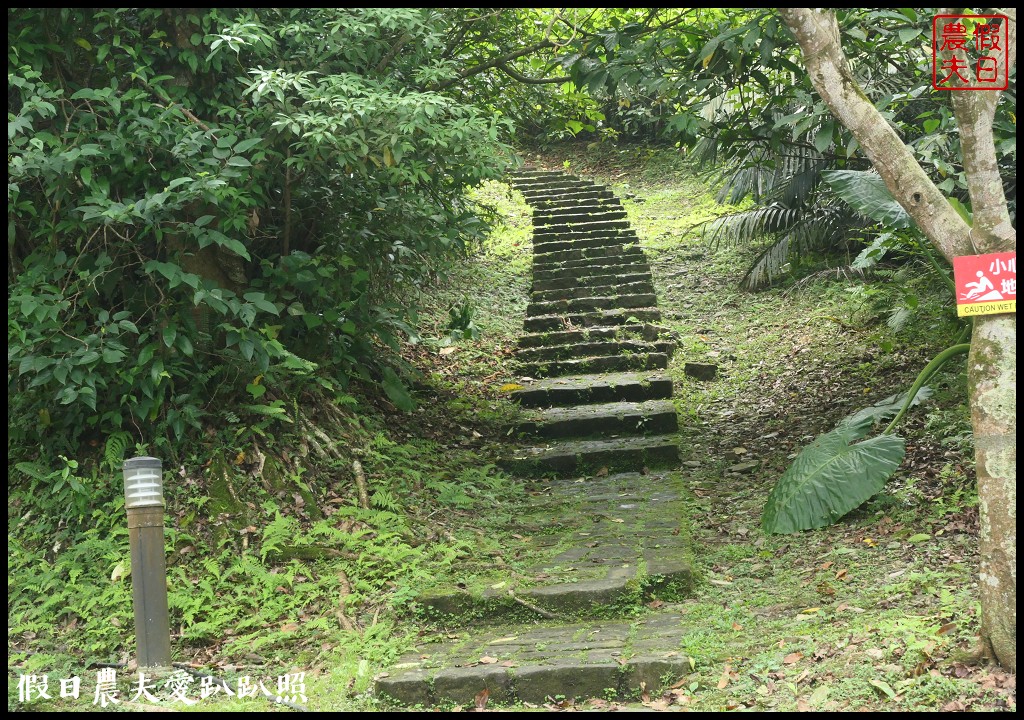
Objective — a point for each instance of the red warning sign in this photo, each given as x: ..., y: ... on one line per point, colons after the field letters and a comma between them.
x: 986, y: 284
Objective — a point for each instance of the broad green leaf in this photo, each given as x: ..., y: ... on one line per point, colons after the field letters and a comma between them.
x: 111, y: 356
x: 396, y: 391
x: 908, y: 34
x: 884, y: 409
x: 247, y: 144
x: 865, y: 192
x: 823, y: 139
x: 829, y: 478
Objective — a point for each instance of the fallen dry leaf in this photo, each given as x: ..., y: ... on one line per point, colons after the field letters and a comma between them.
x: 724, y: 680
x: 488, y: 660
x: 792, y: 658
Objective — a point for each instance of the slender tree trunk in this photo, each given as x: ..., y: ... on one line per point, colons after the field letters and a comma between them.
x: 992, y: 377
x: 992, y: 372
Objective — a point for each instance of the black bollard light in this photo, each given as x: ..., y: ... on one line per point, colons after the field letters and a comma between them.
x: 144, y: 503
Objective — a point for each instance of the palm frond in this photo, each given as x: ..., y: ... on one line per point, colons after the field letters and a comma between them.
x: 748, y: 226
x: 822, y: 229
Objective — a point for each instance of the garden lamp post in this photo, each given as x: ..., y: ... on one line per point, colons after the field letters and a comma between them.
x: 144, y: 503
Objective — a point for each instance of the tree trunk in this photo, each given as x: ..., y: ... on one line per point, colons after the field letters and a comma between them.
x: 992, y: 378
x: 992, y: 373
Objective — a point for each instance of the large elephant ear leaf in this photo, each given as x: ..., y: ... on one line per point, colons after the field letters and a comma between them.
x: 885, y: 409
x: 865, y: 192
x: 829, y: 478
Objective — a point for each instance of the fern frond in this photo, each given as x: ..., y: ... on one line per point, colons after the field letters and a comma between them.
x: 113, y: 451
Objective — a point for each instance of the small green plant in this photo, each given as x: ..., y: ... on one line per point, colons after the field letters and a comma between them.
x: 461, y: 322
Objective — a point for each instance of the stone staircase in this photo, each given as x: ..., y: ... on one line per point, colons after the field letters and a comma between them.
x: 592, y: 339
x: 606, y: 529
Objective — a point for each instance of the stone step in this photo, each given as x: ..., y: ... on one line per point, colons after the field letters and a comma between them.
x: 540, y: 198
x: 583, y: 270
x: 602, y: 240
x: 580, y: 216
x: 588, y: 304
x: 558, y: 211
x: 596, y: 364
x: 650, y: 417
x: 576, y: 661
x: 579, y: 457
x: 592, y: 348
x: 616, y: 532
x: 558, y: 189
x: 635, y: 331
x: 543, y: 181
x: 633, y: 288
x: 618, y: 316
x: 528, y: 174
x: 605, y: 388
x: 563, y: 230
x: 560, y: 192
x: 623, y: 278
x: 592, y: 257
x: 574, y: 200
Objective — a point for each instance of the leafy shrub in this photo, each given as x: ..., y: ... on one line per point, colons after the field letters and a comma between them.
x: 204, y: 201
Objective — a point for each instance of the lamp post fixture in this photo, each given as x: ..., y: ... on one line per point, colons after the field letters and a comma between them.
x: 144, y: 503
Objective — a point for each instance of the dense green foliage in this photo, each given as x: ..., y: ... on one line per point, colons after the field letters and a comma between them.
x: 729, y: 86
x: 201, y: 204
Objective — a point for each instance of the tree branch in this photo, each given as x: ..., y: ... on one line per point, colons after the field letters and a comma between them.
x: 516, y: 75
x: 477, y: 69
x: 386, y: 60
x: 817, y: 32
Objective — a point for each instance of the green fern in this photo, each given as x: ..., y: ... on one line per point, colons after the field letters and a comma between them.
x: 114, y: 450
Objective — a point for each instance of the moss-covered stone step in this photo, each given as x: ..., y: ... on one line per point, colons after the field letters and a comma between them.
x: 568, y: 196
x: 550, y: 181
x: 650, y: 417
x: 604, y: 388
x: 588, y: 258
x: 585, y: 272
x: 543, y: 220
x: 602, y: 318
x: 583, y: 547
x: 636, y: 331
x: 587, y: 304
x: 578, y: 457
x: 601, y: 240
x: 631, y: 288
x: 532, y: 663
x: 574, y: 200
x: 626, y: 235
x: 557, y: 212
x: 596, y: 364
x: 588, y: 227
x: 633, y: 257
x: 546, y: 181
x: 567, y: 190
x: 527, y: 174
x: 624, y: 277
x: 594, y: 348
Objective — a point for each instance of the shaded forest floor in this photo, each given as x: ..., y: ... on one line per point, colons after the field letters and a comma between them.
x: 877, y: 612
